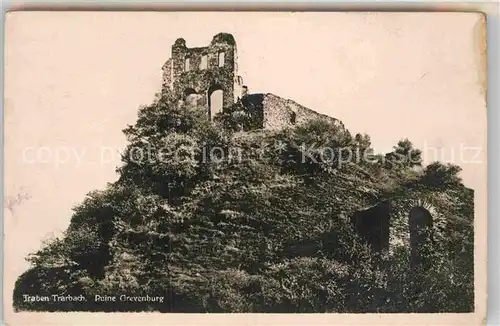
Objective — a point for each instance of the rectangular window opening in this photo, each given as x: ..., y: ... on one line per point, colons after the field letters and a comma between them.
x: 204, y: 62
x: 221, y: 59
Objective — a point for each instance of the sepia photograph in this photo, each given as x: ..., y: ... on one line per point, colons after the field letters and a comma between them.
x: 245, y: 162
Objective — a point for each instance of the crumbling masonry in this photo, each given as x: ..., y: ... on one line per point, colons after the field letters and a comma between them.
x: 207, y: 76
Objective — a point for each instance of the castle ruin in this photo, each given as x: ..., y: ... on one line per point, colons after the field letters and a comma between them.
x: 207, y: 76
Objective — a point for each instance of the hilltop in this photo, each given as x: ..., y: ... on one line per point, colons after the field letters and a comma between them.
x: 237, y: 214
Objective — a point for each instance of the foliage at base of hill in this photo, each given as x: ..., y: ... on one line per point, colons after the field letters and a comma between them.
x: 218, y: 220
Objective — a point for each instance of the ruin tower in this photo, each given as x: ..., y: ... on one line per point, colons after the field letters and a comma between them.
x: 206, y: 75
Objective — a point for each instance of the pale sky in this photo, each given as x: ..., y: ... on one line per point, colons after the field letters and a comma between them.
x: 74, y: 80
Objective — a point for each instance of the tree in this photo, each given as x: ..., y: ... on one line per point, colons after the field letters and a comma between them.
x: 441, y: 176
x: 404, y: 155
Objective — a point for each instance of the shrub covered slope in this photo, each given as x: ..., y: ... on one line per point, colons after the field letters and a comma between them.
x: 218, y: 218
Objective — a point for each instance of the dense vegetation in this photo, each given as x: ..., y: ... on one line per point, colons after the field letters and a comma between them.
x: 265, y: 229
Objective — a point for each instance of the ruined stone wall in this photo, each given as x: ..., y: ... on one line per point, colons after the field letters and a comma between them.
x: 304, y: 114
x: 204, y: 75
x: 278, y: 112
x: 167, y: 73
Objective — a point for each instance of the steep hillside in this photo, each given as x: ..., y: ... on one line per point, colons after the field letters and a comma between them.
x: 229, y: 217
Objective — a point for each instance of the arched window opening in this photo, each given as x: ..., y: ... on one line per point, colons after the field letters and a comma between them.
x: 420, y: 218
x: 187, y: 63
x: 215, y: 100
x: 189, y: 91
x: 420, y: 222
x: 192, y: 98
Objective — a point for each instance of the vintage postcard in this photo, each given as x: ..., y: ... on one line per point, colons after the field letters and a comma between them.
x: 245, y: 168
